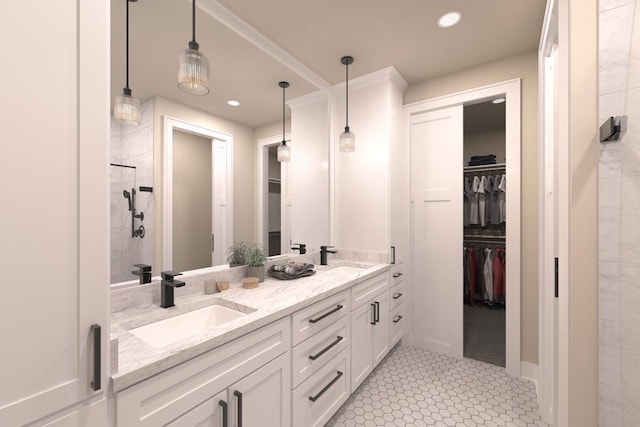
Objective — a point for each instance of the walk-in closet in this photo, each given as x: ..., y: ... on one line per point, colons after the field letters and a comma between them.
x: 484, y: 241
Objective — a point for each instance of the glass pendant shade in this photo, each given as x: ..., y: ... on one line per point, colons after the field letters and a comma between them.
x: 347, y: 141
x: 126, y: 109
x: 284, y: 152
x: 193, y: 71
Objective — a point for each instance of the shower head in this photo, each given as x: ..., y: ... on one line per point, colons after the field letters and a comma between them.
x: 127, y: 196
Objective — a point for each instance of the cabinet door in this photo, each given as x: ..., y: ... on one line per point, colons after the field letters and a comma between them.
x: 381, y: 328
x: 54, y: 178
x: 361, y: 344
x: 263, y: 398
x: 211, y: 413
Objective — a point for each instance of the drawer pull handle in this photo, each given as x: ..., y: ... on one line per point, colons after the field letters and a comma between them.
x: 96, y: 384
x: 377, y: 311
x: 397, y: 295
x: 225, y: 422
x: 397, y: 319
x: 373, y: 306
x: 327, y: 348
x: 396, y: 275
x: 329, y: 313
x: 333, y: 381
x: 239, y: 396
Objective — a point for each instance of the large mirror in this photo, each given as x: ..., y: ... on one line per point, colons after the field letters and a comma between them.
x: 208, y: 138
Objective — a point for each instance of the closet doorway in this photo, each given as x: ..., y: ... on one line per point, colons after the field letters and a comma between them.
x: 437, y: 231
x: 484, y: 225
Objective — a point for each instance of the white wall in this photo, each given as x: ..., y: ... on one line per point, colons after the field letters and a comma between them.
x: 619, y: 237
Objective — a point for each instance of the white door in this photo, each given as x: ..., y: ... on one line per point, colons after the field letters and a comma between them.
x: 436, y: 143
x: 381, y: 328
x: 219, y: 242
x: 361, y: 344
x: 263, y: 399
x: 54, y: 249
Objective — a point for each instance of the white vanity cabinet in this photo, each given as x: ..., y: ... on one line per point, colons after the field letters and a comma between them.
x: 321, y: 370
x: 397, y: 295
x: 248, y: 378
x: 369, y: 326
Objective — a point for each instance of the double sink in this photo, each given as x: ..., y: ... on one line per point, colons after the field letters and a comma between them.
x: 168, y: 331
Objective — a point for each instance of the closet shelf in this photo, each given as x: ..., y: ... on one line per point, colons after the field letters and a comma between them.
x: 496, y: 166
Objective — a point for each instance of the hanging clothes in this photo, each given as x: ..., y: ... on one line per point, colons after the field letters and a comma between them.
x: 467, y: 275
x: 495, y: 202
x: 488, y: 275
x: 473, y: 214
x: 502, y: 198
x: 480, y: 283
x: 482, y: 202
x: 499, y: 275
x: 472, y: 273
x: 466, y: 205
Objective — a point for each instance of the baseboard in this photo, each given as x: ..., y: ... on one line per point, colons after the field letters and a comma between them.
x: 529, y: 371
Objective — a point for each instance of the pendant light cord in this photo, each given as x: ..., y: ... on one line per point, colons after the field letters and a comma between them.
x: 127, y: 47
x: 347, y: 93
x: 193, y: 19
x: 283, y: 89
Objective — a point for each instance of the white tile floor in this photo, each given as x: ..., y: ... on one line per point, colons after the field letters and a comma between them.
x: 415, y: 387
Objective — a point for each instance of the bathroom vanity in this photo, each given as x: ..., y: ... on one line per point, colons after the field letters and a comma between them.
x: 292, y: 357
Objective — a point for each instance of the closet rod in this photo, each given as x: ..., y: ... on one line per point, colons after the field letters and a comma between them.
x: 481, y: 168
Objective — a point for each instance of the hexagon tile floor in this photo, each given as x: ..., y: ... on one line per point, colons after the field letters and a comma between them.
x: 415, y: 387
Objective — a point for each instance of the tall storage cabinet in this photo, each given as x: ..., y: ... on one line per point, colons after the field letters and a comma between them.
x: 54, y: 180
x: 372, y: 177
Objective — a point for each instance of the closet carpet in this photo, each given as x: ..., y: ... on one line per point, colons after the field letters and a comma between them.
x: 418, y: 388
x: 484, y: 334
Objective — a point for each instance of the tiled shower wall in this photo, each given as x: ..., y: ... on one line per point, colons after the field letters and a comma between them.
x: 131, y: 146
x: 619, y: 212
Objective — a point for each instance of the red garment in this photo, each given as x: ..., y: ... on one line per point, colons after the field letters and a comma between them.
x: 499, y: 275
x: 472, y: 273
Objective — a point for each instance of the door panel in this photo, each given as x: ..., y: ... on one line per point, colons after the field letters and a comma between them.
x: 361, y: 342
x: 436, y: 220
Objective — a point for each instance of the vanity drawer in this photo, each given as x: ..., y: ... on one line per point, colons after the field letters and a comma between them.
x: 318, y: 316
x: 397, y: 274
x: 397, y: 323
x: 312, y: 354
x: 322, y: 394
x: 397, y: 295
x: 363, y: 292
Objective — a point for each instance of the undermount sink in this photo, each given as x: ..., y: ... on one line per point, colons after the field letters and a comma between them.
x: 164, y: 332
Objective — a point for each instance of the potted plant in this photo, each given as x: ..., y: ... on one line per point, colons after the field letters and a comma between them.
x: 255, y: 259
x: 237, y: 254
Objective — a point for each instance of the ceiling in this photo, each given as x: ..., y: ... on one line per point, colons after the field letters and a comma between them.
x: 312, y: 37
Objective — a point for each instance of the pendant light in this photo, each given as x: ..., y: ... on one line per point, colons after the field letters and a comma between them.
x: 284, y: 151
x: 126, y: 108
x: 193, y: 65
x: 347, y: 138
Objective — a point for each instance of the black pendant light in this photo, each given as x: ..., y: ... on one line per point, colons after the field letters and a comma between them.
x: 193, y: 65
x: 126, y: 108
x: 284, y: 151
x: 347, y: 138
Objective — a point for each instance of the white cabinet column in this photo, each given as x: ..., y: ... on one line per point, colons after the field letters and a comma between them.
x: 54, y: 251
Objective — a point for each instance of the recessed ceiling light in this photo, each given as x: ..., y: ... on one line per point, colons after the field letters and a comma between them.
x: 233, y: 102
x: 498, y: 100
x: 449, y: 19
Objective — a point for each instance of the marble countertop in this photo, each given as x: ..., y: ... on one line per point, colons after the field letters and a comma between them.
x: 272, y: 300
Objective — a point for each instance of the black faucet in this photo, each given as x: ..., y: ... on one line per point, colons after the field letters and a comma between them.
x: 166, y: 288
x: 323, y: 254
x: 301, y: 247
x: 143, y: 272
